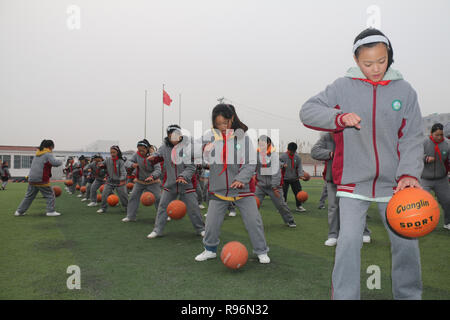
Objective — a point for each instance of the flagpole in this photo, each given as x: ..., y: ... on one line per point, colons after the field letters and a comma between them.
x: 179, y: 110
x: 145, y: 120
x: 162, y: 123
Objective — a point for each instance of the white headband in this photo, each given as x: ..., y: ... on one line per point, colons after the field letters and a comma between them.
x: 370, y: 39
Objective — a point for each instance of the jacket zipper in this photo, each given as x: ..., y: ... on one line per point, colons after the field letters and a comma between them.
x: 374, y: 133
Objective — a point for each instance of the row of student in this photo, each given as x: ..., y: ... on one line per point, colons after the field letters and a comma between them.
x: 377, y: 125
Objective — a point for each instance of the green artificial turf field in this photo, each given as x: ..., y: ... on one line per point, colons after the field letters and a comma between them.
x: 117, y: 261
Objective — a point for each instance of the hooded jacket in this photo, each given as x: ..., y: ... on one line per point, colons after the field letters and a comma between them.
x: 369, y: 162
x: 41, y: 167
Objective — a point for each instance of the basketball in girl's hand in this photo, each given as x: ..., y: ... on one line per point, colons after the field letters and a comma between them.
x: 176, y: 209
x: 112, y: 200
x: 102, y: 187
x: 147, y: 199
x: 306, y: 176
x: 412, y: 213
x: 57, y: 190
x: 234, y: 255
x: 302, y: 196
x: 68, y: 183
x: 83, y: 189
x: 99, y: 197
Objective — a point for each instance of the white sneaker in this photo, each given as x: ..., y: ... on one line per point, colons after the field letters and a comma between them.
x: 79, y: 196
x: 263, y: 258
x: 206, y: 214
x: 205, y: 255
x: 17, y: 214
x: 126, y: 219
x: 300, y: 209
x: 69, y: 192
x: 366, y: 239
x: 169, y: 218
x: 100, y: 211
x: 152, y: 235
x: 53, y: 214
x: 84, y: 199
x: 331, y: 242
x: 201, y: 206
x: 232, y: 214
x: 202, y: 233
x: 92, y: 204
x: 447, y: 226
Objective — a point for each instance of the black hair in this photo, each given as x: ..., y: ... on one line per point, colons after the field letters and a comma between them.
x: 374, y: 32
x: 46, y: 144
x: 436, y: 127
x: 266, y: 139
x: 292, y: 146
x: 144, y: 143
x: 119, y: 153
x: 170, y: 129
x: 228, y: 111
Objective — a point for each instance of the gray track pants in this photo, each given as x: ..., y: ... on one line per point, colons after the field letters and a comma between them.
x: 93, y: 190
x: 31, y: 193
x: 279, y: 202
x: 135, y: 197
x: 250, y: 215
x: 193, y: 211
x: 121, y: 192
x: 441, y: 189
x: 406, y: 269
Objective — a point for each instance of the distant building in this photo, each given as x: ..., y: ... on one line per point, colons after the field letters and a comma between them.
x: 19, y: 159
x: 433, y: 118
x: 101, y: 145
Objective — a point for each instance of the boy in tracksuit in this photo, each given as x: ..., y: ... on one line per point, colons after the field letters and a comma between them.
x: 436, y: 167
x: 323, y: 150
x: 98, y: 172
x: 378, y: 131
x: 116, y: 179
x: 268, y: 179
x: 179, y: 170
x: 39, y: 179
x: 232, y: 163
x: 147, y: 179
x: 292, y: 171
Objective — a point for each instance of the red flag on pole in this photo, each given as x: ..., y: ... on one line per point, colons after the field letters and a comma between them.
x: 166, y: 98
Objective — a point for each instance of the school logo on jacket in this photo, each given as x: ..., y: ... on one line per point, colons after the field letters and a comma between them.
x: 396, y: 105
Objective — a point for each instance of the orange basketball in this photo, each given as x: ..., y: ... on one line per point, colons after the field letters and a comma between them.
x: 102, y: 187
x: 306, y: 176
x: 412, y: 213
x: 258, y: 203
x: 83, y: 189
x: 176, y: 209
x: 302, y: 196
x: 77, y: 187
x: 147, y: 199
x: 112, y: 200
x: 130, y: 186
x: 69, y: 183
x: 234, y: 255
x: 57, y: 190
x: 99, y: 197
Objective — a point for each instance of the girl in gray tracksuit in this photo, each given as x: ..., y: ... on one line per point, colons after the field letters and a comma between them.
x: 79, y: 173
x: 436, y: 167
x: 176, y: 155
x: 98, y: 172
x: 323, y: 150
x: 147, y: 179
x: 39, y: 179
x: 268, y: 179
x: 116, y: 180
x: 232, y: 163
x: 378, y: 132
x: 5, y: 175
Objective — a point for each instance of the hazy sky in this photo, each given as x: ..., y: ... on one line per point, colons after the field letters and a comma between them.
x: 76, y: 86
